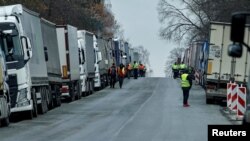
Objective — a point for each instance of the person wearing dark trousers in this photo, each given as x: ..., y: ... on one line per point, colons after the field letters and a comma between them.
x: 129, y: 68
x: 175, y: 70
x: 186, y: 84
x: 141, y: 69
x: 135, y: 69
x: 121, y: 74
x: 112, y: 74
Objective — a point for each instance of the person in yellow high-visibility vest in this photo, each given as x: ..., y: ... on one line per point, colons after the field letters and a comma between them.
x: 175, y: 70
x: 182, y: 67
x: 135, y: 68
x: 186, y: 83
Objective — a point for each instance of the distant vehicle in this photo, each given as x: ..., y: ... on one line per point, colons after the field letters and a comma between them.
x: 103, y: 65
x: 88, y: 61
x: 4, y: 88
x: 238, y: 32
x: 69, y: 61
x: 51, y: 48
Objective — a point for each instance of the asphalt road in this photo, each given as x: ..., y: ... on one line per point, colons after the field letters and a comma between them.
x: 146, y: 109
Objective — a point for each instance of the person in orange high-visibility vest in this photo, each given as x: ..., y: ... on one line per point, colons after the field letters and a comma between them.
x: 121, y: 74
x: 141, y: 69
x: 129, y: 69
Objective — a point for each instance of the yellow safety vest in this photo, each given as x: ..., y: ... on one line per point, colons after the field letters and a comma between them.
x: 184, y: 82
x: 135, y: 66
x: 182, y: 66
x: 175, y: 67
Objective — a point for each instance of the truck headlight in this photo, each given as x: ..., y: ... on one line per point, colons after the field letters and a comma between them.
x: 22, y: 99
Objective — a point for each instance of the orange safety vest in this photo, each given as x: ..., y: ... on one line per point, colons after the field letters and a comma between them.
x: 129, y: 67
x: 121, y: 72
x: 141, y: 67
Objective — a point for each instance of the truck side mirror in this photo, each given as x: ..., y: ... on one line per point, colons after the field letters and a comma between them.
x: 46, y: 54
x: 235, y: 50
x: 26, y: 47
x: 83, y: 56
x: 238, y: 28
x: 99, y: 55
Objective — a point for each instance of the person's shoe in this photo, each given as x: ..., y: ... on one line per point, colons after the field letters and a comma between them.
x: 186, y: 105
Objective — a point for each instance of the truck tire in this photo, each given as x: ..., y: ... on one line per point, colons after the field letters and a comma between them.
x: 92, y: 86
x: 57, y: 97
x: 5, y: 122
x: 245, y: 123
x: 79, y: 91
x: 43, y: 108
x: 51, y: 101
x: 34, y: 111
x: 86, y: 89
x: 72, y: 93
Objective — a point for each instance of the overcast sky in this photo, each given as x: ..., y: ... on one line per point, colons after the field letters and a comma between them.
x: 139, y: 19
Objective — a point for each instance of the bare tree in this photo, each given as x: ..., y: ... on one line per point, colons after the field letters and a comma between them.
x: 90, y: 15
x: 191, y: 19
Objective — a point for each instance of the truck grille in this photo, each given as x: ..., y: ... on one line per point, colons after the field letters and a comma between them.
x: 12, y: 82
x: 13, y: 96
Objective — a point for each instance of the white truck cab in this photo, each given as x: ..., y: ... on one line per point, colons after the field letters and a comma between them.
x: 98, y: 58
x: 27, y: 71
x: 17, y: 50
x: 82, y: 67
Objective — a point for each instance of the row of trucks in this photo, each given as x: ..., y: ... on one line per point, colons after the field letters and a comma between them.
x: 213, y: 67
x: 43, y: 63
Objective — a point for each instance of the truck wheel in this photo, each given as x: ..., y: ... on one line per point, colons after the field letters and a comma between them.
x: 51, y: 102
x: 34, y: 111
x: 92, y: 86
x: 72, y: 93
x: 79, y: 91
x: 57, y: 99
x: 88, y: 89
x: 5, y: 122
x: 245, y: 123
x: 43, y: 108
x: 29, y: 114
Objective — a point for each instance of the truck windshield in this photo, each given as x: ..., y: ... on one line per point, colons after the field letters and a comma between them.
x: 10, y: 42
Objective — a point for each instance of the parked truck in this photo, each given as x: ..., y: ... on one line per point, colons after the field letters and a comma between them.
x: 98, y: 67
x: 117, y: 53
x: 86, y: 47
x: 240, y: 37
x: 4, y: 88
x: 69, y: 61
x: 126, y: 54
x: 222, y: 68
x: 25, y: 57
x: 103, y: 65
x: 203, y: 63
x: 53, y: 64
